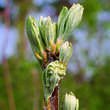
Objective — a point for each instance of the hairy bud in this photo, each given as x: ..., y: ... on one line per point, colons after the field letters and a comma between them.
x: 70, y: 102
x: 69, y: 19
x: 65, y: 52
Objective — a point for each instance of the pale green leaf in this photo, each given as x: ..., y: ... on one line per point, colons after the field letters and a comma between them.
x: 33, y: 35
x: 62, y: 20
x: 74, y: 18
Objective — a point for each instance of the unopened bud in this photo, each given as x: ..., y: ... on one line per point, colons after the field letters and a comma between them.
x: 70, y: 102
x: 69, y: 19
x: 74, y: 18
x: 65, y: 52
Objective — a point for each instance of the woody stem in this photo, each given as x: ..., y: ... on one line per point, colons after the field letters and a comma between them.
x: 53, y: 102
x: 54, y: 99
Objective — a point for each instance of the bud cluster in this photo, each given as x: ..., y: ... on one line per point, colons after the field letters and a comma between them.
x: 49, y: 45
x: 47, y: 38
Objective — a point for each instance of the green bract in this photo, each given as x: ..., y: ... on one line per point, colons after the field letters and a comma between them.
x: 70, y: 102
x: 54, y: 72
x: 65, y: 52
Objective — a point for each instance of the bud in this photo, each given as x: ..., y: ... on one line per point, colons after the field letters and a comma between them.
x: 70, y: 102
x: 65, y: 52
x: 69, y: 19
x: 34, y: 35
x: 53, y: 73
x: 61, y: 21
x: 48, y: 30
x: 73, y: 19
x: 42, y: 23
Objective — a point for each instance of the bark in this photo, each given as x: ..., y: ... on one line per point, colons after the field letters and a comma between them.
x: 54, y: 99
x: 53, y: 102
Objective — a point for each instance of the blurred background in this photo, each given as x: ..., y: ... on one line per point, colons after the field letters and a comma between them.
x: 88, y: 73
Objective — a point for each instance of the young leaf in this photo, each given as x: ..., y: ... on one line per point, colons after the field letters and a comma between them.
x: 42, y: 28
x: 33, y: 35
x: 61, y: 21
x: 47, y: 30
x: 74, y: 18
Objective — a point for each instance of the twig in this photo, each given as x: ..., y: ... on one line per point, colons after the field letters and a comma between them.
x: 54, y: 99
x: 53, y: 102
